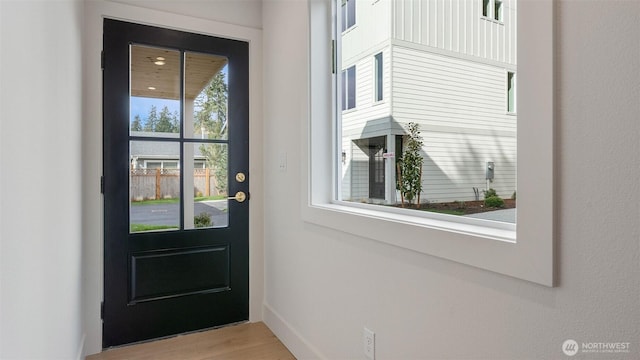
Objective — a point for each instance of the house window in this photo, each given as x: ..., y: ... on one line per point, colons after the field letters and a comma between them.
x: 497, y: 14
x: 492, y: 9
x: 492, y: 246
x: 349, y: 88
x: 348, y: 14
x: 378, y: 77
x: 511, y: 92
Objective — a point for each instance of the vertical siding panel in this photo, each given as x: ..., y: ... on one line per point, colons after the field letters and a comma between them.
x: 513, y: 29
x: 408, y: 16
x: 453, y: 24
x: 503, y: 44
x: 432, y: 23
x: 424, y: 23
x: 417, y: 17
x: 407, y: 20
x: 444, y: 24
x: 480, y: 45
x: 436, y: 23
x: 472, y: 28
x: 465, y: 22
x: 398, y: 20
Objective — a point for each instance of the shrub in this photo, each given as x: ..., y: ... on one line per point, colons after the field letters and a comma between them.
x: 513, y: 197
x: 494, y: 202
x: 489, y: 193
x: 202, y: 220
x: 409, y: 167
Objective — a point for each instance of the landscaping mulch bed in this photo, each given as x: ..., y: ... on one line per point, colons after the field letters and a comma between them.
x: 463, y: 207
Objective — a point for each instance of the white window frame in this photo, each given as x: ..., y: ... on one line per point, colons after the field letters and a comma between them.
x: 529, y: 255
x: 378, y: 77
x: 490, y: 9
x: 500, y: 13
x: 345, y: 4
x: 515, y: 92
x: 348, y: 84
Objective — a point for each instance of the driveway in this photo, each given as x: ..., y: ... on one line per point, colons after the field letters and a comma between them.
x: 506, y: 215
x: 169, y: 214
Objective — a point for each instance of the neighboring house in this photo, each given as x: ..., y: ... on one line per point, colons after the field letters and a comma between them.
x: 155, y: 170
x: 159, y: 155
x: 450, y: 68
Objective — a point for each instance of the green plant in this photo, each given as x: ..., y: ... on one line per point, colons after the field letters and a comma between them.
x: 494, y: 202
x: 145, y: 227
x: 513, y: 197
x: 489, y: 193
x: 202, y: 220
x: 410, y: 167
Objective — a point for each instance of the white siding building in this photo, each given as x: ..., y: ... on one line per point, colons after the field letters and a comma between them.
x: 448, y: 65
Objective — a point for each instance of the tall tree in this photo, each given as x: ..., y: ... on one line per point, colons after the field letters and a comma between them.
x: 136, y: 124
x: 165, y: 122
x: 152, y: 120
x: 211, y: 122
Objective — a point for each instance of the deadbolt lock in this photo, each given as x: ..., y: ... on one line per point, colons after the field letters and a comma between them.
x: 240, y: 197
x: 240, y: 177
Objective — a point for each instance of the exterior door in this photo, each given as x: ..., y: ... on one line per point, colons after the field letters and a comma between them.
x: 377, y: 167
x: 175, y: 182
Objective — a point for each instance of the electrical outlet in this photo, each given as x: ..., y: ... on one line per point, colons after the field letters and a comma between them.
x: 369, y: 342
x: 282, y: 161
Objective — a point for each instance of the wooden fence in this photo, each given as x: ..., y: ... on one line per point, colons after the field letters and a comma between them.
x: 148, y: 184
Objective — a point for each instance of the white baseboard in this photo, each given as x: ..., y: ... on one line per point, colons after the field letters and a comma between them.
x: 298, y: 345
x: 80, y: 353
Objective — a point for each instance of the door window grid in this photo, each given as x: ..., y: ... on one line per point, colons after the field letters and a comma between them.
x: 176, y: 127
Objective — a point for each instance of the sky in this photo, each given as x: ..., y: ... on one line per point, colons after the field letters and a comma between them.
x: 141, y: 106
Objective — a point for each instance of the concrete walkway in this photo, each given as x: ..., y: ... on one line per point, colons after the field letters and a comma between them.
x: 506, y: 215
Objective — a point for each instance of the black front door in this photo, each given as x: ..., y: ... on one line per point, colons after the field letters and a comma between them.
x: 176, y: 155
x: 377, y: 167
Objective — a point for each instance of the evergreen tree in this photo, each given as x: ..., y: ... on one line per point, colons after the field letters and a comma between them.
x: 152, y: 120
x: 210, y: 120
x: 136, y: 124
x: 175, y: 121
x: 165, y: 122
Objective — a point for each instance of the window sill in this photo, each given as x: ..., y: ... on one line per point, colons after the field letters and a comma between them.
x: 350, y: 29
x: 403, y: 218
x: 499, y: 22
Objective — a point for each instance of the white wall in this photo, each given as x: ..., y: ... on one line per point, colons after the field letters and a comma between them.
x: 323, y: 286
x: 40, y: 200
x: 215, y: 17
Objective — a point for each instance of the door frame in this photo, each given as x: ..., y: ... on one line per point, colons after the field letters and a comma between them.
x: 93, y: 229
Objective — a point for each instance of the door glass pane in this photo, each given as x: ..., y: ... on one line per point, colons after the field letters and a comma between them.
x: 206, y: 91
x: 154, y: 186
x: 155, y: 92
x: 209, y: 205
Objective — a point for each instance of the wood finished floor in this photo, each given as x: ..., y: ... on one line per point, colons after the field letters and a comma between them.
x: 238, y: 342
